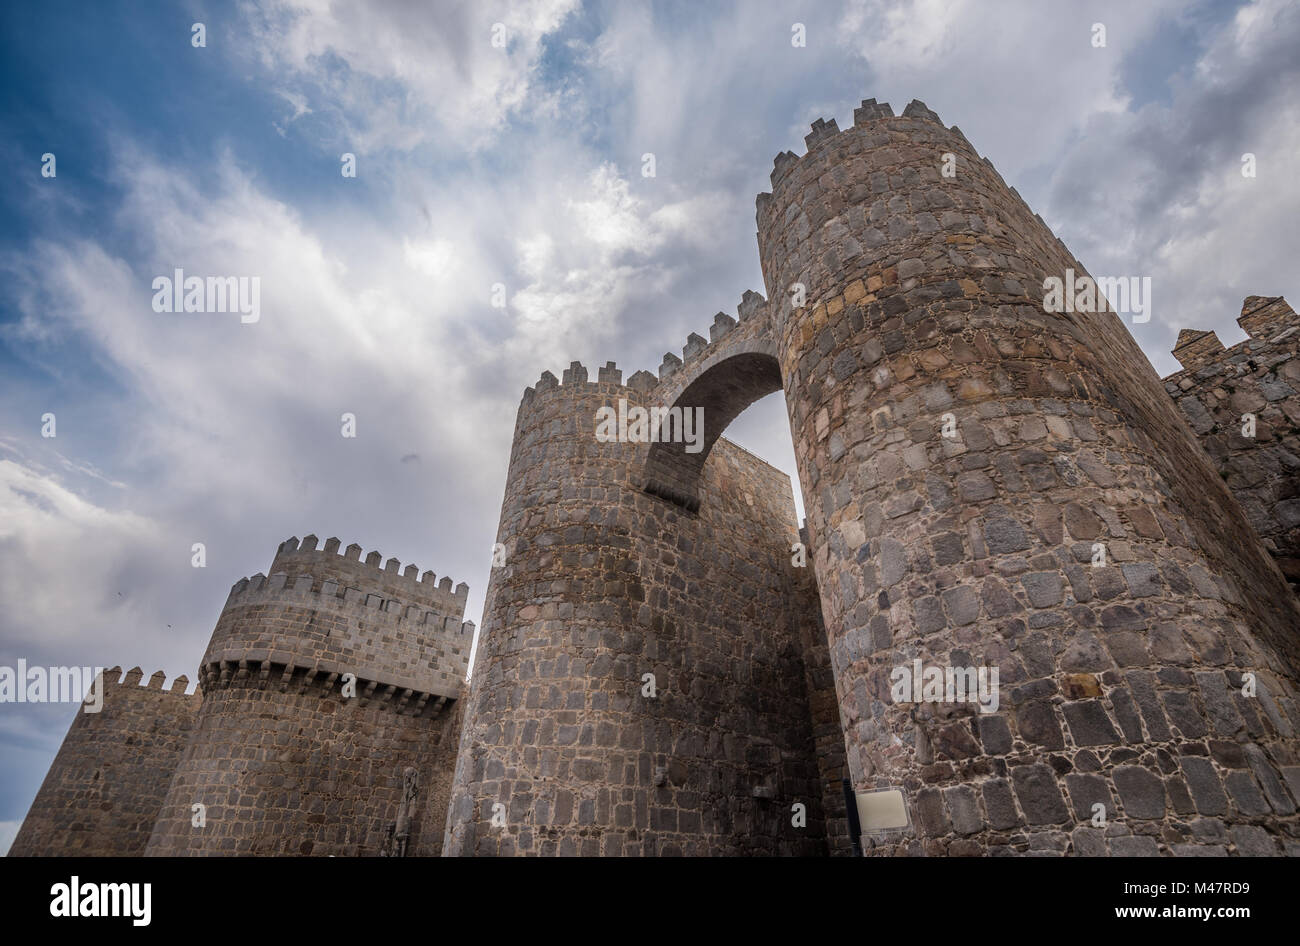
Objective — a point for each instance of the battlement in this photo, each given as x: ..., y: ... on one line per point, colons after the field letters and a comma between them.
x: 1267, y: 317
x: 113, y: 678
x: 1195, y: 348
x: 371, y: 574
x: 1266, y: 320
x: 306, y: 623
x: 328, y: 592
x: 823, y: 132
x: 752, y: 307
x: 876, y: 137
x: 104, y: 790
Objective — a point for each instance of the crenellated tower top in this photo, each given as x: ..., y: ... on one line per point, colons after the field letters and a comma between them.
x: 371, y: 573
x: 321, y: 615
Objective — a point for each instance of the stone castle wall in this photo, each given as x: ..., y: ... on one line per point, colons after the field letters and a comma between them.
x: 105, y: 788
x: 603, y: 584
x: 1260, y: 376
x: 285, y: 762
x: 292, y: 767
x: 924, y: 299
x: 319, y: 625
x: 282, y: 761
x: 437, y: 770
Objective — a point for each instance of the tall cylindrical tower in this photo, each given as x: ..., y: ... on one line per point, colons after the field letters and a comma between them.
x: 325, y: 689
x: 992, y: 485
x: 639, y: 687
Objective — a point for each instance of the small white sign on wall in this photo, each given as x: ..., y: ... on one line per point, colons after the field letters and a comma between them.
x: 884, y: 810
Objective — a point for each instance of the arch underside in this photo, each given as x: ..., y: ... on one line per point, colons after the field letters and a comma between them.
x: 724, y: 390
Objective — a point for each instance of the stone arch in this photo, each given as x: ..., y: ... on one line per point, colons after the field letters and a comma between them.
x: 723, y: 385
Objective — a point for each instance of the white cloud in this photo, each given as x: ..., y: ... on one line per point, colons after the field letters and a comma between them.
x: 61, y: 561
x: 434, y: 258
x: 401, y: 74
x: 587, y: 248
x: 229, y: 430
x: 1021, y: 78
x: 300, y: 108
x: 1159, y: 191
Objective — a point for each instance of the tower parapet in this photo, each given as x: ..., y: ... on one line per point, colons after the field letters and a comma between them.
x: 350, y: 570
x: 309, y: 625
x: 323, y: 685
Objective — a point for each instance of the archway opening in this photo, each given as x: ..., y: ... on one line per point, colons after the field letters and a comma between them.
x: 760, y: 597
x: 716, y: 396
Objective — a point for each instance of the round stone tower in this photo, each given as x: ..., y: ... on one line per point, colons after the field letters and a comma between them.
x: 639, y: 686
x: 994, y: 486
x: 324, y: 695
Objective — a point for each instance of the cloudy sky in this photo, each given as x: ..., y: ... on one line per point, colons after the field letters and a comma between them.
x: 480, y: 165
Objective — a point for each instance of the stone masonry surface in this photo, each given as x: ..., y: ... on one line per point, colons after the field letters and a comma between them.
x: 1218, y: 389
x: 106, y: 786
x: 603, y: 584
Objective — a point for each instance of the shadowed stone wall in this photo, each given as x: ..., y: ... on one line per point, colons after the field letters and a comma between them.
x: 1218, y: 387
x: 106, y: 786
x: 604, y: 583
x: 295, y: 771
x: 438, y: 769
